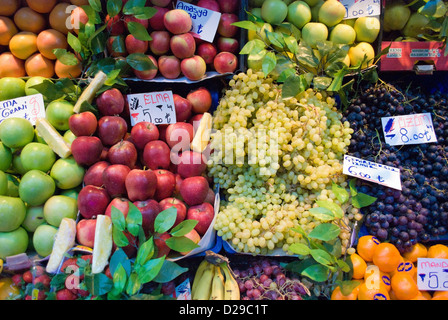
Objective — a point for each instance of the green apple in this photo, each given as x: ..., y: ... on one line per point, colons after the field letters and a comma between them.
x: 256, y: 3
x: 3, y: 184
x: 367, y: 29
x: 256, y: 12
x: 58, y: 207
x: 34, y: 218
x: 255, y: 64
x: 34, y: 81
x: 12, y: 213
x: 274, y: 11
x: 350, y: 22
x: 342, y: 34
x: 72, y: 193
x: 361, y: 54
x: 314, y: 32
x: 67, y: 173
x: 396, y: 15
x: 16, y: 132
x: 13, y: 242
x: 315, y: 10
x: 415, y: 25
x: 58, y: 113
x: 11, y: 87
x: 17, y: 165
x: 43, y: 239
x: 312, y: 3
x: 36, y: 187
x: 5, y: 157
x: 299, y: 13
x: 37, y: 156
x: 69, y: 136
x: 331, y: 13
x: 38, y: 138
x: 261, y: 33
x: 13, y: 185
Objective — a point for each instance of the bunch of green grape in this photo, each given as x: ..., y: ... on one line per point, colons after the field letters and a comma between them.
x: 273, y: 158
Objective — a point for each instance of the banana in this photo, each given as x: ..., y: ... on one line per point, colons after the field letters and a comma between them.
x: 204, y: 287
x: 231, y: 288
x: 217, y: 285
x: 197, y: 277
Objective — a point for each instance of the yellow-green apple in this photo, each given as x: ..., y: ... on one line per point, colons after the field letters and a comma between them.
x: 156, y: 21
x: 58, y: 207
x: 12, y: 87
x: 191, y: 163
x: 169, y: 66
x: 193, y: 68
x: 194, y: 190
x: 160, y: 42
x: 331, y: 12
x: 36, y: 187
x: 166, y: 184
x: 274, y: 11
x: 122, y: 204
x: 115, y: 25
x: 149, y: 209
x: 203, y: 213
x: 299, y: 13
x: 367, y: 29
x: 37, y: 156
x: 226, y: 27
x: 177, y: 21
x: 13, y: 211
x: 69, y: 137
x: 111, y: 129
x: 314, y: 32
x: 92, y: 201
x: 228, y: 44
x: 143, y: 132
x: 34, y: 217
x: 396, y: 15
x: 3, y: 184
x: 83, y: 123
x: 116, y: 47
x: 67, y: 173
x: 200, y: 99
x: 179, y: 136
x: 160, y: 243
x: 5, y: 157
x: 16, y: 132
x: 13, y: 242
x: 225, y: 62
x: 207, y: 51
x: 156, y: 155
x: 110, y: 102
x: 94, y: 173
x: 361, y: 54
x: 178, y: 204
x: 194, y: 236
x: 141, y: 184
x: 228, y: 6
x: 209, y: 4
x: 43, y: 239
x: 312, y: 3
x: 85, y: 232
x: 160, y: 3
x: 123, y: 152
x: 149, y: 73
x: 183, y: 108
x: 86, y: 150
x: 415, y: 25
x: 343, y: 34
x: 114, y: 177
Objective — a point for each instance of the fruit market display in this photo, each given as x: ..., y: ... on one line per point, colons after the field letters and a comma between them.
x: 246, y: 195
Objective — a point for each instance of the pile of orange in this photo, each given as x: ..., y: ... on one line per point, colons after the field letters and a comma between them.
x: 382, y: 273
x: 29, y: 32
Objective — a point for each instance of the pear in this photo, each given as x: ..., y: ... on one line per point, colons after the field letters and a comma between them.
x: 396, y: 15
x: 415, y: 25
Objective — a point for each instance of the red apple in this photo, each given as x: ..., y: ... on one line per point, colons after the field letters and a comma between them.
x: 115, y: 25
x: 191, y: 163
x: 178, y: 204
x: 116, y: 46
x: 177, y: 21
x: 162, y: 131
x: 114, y: 177
x: 169, y: 66
x: 110, y: 102
x: 149, y: 209
x: 200, y: 99
x: 229, y: 6
x: 166, y: 184
x: 179, y: 180
x: 156, y: 155
x: 134, y: 45
x: 129, y: 18
x: 228, y: 44
x: 160, y: 243
x: 194, y: 236
x: 193, y: 68
x: 149, y: 73
x: 209, y: 4
x: 143, y: 132
x: 183, y: 45
x: 86, y: 150
x: 141, y: 184
x: 160, y: 3
x: 194, y: 190
x: 92, y: 201
x: 94, y: 174
x: 160, y: 42
x: 225, y: 62
x: 203, y: 213
x: 111, y: 129
x: 179, y: 136
x: 85, y: 232
x: 83, y: 124
x: 123, y: 152
x: 195, y: 121
x: 121, y: 204
x: 225, y: 27
x: 207, y: 51
x: 183, y: 108
x: 210, y: 197
x: 156, y: 21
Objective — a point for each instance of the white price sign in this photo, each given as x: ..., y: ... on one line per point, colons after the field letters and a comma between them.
x: 28, y: 107
x: 156, y: 107
x: 371, y: 171
x: 408, y: 129
x: 432, y: 274
x: 205, y: 21
x: 361, y: 8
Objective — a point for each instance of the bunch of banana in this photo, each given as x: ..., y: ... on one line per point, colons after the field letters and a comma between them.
x: 214, y: 281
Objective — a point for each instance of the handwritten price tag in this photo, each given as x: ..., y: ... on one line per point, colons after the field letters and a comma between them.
x: 409, y: 129
x: 155, y: 107
x: 361, y: 8
x: 205, y: 22
x: 371, y: 171
x: 28, y: 107
x: 432, y: 274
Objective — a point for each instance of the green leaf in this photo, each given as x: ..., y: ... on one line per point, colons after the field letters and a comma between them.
x: 113, y: 7
x: 118, y: 219
x: 98, y: 284
x: 74, y: 42
x: 145, y: 252
x: 293, y: 85
x: 433, y: 9
x: 150, y: 270
x: 352, y: 185
x: 322, y: 82
x: 134, y: 219
x: 269, y: 62
x: 322, y: 213
x: 183, y: 227
x: 66, y: 57
x: 334, y: 207
x: 119, y: 237
x: 248, y: 25
x: 169, y: 271
x: 299, y: 230
x: 145, y: 13
x: 341, y: 194
x: 119, y: 257
x: 49, y: 90
x: 96, y: 5
x: 140, y: 62
x: 181, y: 244
x: 292, y: 44
x: 131, y: 6
x: 134, y: 284
x: 325, y: 232
x: 97, y: 41
x: 254, y: 45
x: 316, y: 272
x: 138, y: 31
x: 119, y: 278
x: 343, y: 265
x: 321, y: 256
x: 347, y: 286
x: 362, y: 200
x: 165, y: 220
x: 299, y: 248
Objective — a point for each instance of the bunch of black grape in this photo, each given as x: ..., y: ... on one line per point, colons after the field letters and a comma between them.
x: 419, y: 212
x: 266, y: 279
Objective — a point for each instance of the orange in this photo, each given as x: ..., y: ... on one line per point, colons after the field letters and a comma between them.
x: 66, y: 71
x: 7, y: 30
x: 440, y: 295
x: 23, y: 44
x: 51, y: 39
x: 422, y: 295
x: 11, y: 66
x: 27, y: 19
x: 59, y: 16
x: 374, y: 277
x: 9, y: 7
x: 438, y: 251
x: 367, y: 292
x: 418, y: 251
x: 406, y: 266
x: 359, y: 266
x: 81, y: 2
x: 38, y: 65
x: 386, y: 256
x: 338, y: 295
x: 41, y: 6
x: 366, y: 246
x: 404, y: 286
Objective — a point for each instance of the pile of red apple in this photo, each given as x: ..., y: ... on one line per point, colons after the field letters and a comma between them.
x: 148, y: 165
x: 173, y: 49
